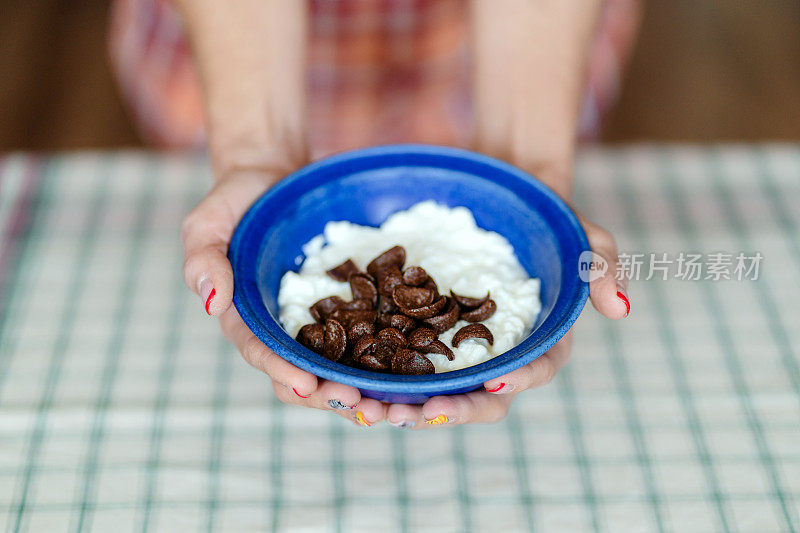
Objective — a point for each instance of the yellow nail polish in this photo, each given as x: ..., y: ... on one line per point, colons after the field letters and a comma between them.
x: 361, y: 420
x: 441, y: 419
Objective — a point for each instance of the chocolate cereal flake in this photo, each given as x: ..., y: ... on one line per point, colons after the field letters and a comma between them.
x: 415, y: 276
x: 389, y: 278
x: 356, y: 305
x: 385, y: 349
x: 446, y: 320
x: 358, y: 330
x: 322, y: 308
x: 363, y: 288
x: 439, y: 347
x: 394, y: 256
x: 467, y: 302
x: 431, y: 285
x: 347, y: 359
x: 364, y: 346
x: 412, y: 297
x: 409, y: 362
x: 401, y: 322
x: 384, y: 321
x: 335, y: 340
x: 421, y: 337
x: 373, y: 362
x: 426, y: 311
x: 312, y: 336
x: 480, y: 314
x: 387, y: 306
x: 373, y: 355
x: 391, y: 334
x: 348, y: 317
x: 343, y: 271
x: 473, y: 331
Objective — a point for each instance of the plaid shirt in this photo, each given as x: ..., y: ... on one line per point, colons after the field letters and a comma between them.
x: 380, y: 71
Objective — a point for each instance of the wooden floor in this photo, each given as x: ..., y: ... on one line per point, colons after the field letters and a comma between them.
x: 703, y: 70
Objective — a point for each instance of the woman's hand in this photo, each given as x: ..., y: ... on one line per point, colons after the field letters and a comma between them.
x: 491, y: 404
x: 529, y: 61
x: 251, y: 59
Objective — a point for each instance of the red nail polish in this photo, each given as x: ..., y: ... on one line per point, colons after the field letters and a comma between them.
x: 210, y: 297
x: 624, y: 298
x: 497, y: 388
x: 295, y: 391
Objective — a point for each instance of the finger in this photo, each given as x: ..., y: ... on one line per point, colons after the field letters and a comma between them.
x: 367, y: 412
x: 535, y: 374
x: 608, y: 295
x: 332, y: 395
x: 325, y: 398
x: 286, y: 395
x: 470, y: 408
x: 364, y: 412
x: 299, y: 381
x: 404, y: 416
x: 206, y: 233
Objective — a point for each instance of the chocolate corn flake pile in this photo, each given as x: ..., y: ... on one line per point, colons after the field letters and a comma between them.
x: 395, y: 317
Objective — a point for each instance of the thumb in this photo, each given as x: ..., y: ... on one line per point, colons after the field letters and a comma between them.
x: 206, y: 233
x: 608, y: 295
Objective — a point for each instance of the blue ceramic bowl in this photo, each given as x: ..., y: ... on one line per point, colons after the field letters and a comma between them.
x: 365, y: 187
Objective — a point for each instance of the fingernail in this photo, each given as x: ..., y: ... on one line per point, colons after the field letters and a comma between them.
x: 496, y: 388
x: 295, y: 391
x: 403, y: 424
x: 361, y: 421
x: 207, y: 292
x: 441, y: 419
x: 622, y: 295
x: 336, y: 404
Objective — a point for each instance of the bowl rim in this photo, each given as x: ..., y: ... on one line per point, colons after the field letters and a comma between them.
x: 269, y: 331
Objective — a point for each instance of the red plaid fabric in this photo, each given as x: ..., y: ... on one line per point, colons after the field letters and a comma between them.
x: 380, y: 71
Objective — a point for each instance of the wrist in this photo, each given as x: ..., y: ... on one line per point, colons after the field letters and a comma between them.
x: 556, y: 174
x: 555, y: 171
x: 269, y: 165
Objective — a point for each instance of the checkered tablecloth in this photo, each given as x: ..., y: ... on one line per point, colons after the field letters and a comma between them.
x: 122, y: 408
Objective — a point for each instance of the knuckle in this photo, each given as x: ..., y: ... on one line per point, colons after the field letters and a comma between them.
x: 255, y: 353
x: 282, y: 394
x: 497, y: 414
x: 192, y: 263
x: 542, y: 372
x: 602, y: 238
x: 212, y: 216
x: 442, y: 404
x: 562, y: 351
x: 195, y: 221
x: 227, y: 327
x: 188, y: 225
x: 547, y: 372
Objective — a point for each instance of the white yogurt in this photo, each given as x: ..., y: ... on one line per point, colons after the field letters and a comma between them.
x: 450, y: 247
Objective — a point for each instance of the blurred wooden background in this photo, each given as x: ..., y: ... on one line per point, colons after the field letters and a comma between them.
x: 703, y: 70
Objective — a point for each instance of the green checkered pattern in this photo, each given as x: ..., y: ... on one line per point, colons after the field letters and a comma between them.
x: 123, y: 409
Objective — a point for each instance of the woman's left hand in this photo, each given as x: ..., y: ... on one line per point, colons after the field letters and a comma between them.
x: 529, y: 68
x: 491, y: 404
